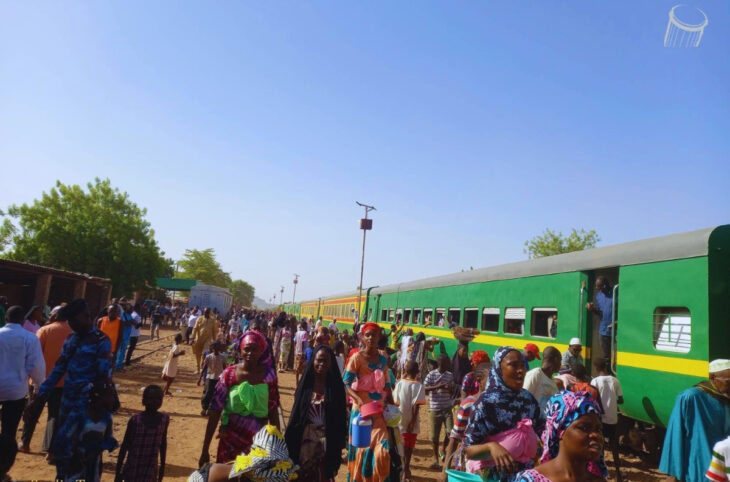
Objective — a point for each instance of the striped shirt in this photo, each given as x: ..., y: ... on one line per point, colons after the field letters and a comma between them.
x: 462, y: 418
x: 443, y: 397
x: 719, y: 471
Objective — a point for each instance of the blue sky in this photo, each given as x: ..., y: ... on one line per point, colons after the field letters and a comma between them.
x: 252, y: 127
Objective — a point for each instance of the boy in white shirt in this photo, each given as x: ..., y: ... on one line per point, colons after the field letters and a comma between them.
x: 409, y: 394
x: 609, y: 389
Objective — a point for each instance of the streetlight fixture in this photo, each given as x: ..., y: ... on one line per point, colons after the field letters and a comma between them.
x: 366, y: 225
x: 281, y: 298
x: 296, y: 280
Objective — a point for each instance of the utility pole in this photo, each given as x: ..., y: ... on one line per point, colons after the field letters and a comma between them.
x: 366, y: 225
x: 281, y: 298
x: 296, y: 280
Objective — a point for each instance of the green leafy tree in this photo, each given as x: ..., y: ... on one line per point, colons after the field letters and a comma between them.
x: 551, y: 242
x: 201, y: 265
x: 99, y: 231
x: 242, y: 292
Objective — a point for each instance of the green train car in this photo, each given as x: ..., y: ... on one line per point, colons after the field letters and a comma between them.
x: 672, y: 310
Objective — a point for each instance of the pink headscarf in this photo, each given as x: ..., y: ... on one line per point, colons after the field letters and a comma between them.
x: 255, y: 338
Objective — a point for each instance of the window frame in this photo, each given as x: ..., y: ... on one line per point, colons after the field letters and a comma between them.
x: 476, y: 311
x: 524, y: 319
x: 657, y: 334
x: 499, y: 315
x: 542, y: 309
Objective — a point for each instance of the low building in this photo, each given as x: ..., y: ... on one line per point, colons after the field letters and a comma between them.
x: 28, y: 284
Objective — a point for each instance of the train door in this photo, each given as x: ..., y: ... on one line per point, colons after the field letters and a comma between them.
x: 593, y: 337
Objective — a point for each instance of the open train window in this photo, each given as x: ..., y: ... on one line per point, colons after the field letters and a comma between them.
x: 490, y: 319
x: 471, y: 317
x: 441, y: 317
x: 384, y: 315
x: 399, y: 313
x: 454, y: 317
x: 673, y: 329
x: 417, y: 316
x: 391, y: 315
x: 514, y: 321
x: 428, y: 316
x: 544, y: 322
x: 407, y: 316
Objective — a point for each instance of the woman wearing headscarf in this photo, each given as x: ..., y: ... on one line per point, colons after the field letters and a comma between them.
x: 572, y: 441
x: 504, y: 410
x: 245, y: 399
x: 314, y: 436
x: 86, y: 362
x: 368, y: 379
x: 204, y: 331
x: 470, y: 385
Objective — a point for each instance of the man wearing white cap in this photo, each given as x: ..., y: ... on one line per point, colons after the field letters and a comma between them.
x: 572, y: 357
x: 700, y: 418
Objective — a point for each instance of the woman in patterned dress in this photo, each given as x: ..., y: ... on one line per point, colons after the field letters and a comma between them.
x: 368, y: 379
x: 315, y: 436
x: 245, y: 399
x: 86, y: 361
x: 499, y: 409
x: 572, y: 441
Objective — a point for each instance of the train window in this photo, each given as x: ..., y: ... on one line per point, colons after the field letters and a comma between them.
x: 417, y: 316
x: 428, y: 316
x: 672, y: 329
x: 514, y: 321
x: 454, y: 317
x: 391, y: 315
x: 544, y: 322
x: 471, y: 317
x: 490, y: 319
x: 440, y: 316
x: 399, y: 314
x: 384, y: 315
x: 407, y: 316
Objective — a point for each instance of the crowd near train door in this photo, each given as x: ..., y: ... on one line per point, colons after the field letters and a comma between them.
x: 593, y: 337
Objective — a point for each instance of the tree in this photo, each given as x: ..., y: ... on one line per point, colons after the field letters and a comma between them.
x: 201, y: 265
x: 551, y: 242
x: 99, y: 231
x: 242, y: 292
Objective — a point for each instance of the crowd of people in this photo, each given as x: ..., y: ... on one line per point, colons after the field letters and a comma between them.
x: 359, y: 398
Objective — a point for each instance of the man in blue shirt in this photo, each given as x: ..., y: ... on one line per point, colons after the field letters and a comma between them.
x: 603, y: 307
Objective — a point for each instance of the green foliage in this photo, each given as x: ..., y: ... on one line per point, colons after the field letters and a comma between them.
x: 99, y: 231
x: 551, y: 242
x: 201, y: 265
x: 242, y: 292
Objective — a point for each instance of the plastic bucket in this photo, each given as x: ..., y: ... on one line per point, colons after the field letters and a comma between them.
x: 361, y: 431
x: 457, y: 476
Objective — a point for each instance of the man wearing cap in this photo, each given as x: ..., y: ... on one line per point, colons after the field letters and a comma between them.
x: 572, y: 357
x: 700, y: 418
x: 531, y: 352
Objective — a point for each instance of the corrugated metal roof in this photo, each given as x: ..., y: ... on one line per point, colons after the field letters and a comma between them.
x: 663, y: 248
x: 37, y: 268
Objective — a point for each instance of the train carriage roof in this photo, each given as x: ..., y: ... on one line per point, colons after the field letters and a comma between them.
x: 663, y: 248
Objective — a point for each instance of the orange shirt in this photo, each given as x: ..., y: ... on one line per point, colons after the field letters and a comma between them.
x: 52, y: 337
x: 111, y: 329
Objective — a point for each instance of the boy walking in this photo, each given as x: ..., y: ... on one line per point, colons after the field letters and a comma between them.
x: 609, y: 391
x: 439, y: 384
x: 409, y: 395
x: 213, y: 365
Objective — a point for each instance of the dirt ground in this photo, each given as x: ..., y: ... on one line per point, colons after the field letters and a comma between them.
x: 187, y: 426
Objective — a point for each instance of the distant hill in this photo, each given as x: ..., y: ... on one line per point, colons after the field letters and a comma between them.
x: 261, y: 304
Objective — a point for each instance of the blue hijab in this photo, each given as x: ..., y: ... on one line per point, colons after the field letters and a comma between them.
x: 499, y: 407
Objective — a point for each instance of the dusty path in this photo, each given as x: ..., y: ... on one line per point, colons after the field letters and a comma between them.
x: 187, y: 425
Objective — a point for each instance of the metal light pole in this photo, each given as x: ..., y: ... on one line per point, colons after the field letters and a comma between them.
x: 281, y: 298
x: 296, y: 280
x: 366, y: 225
